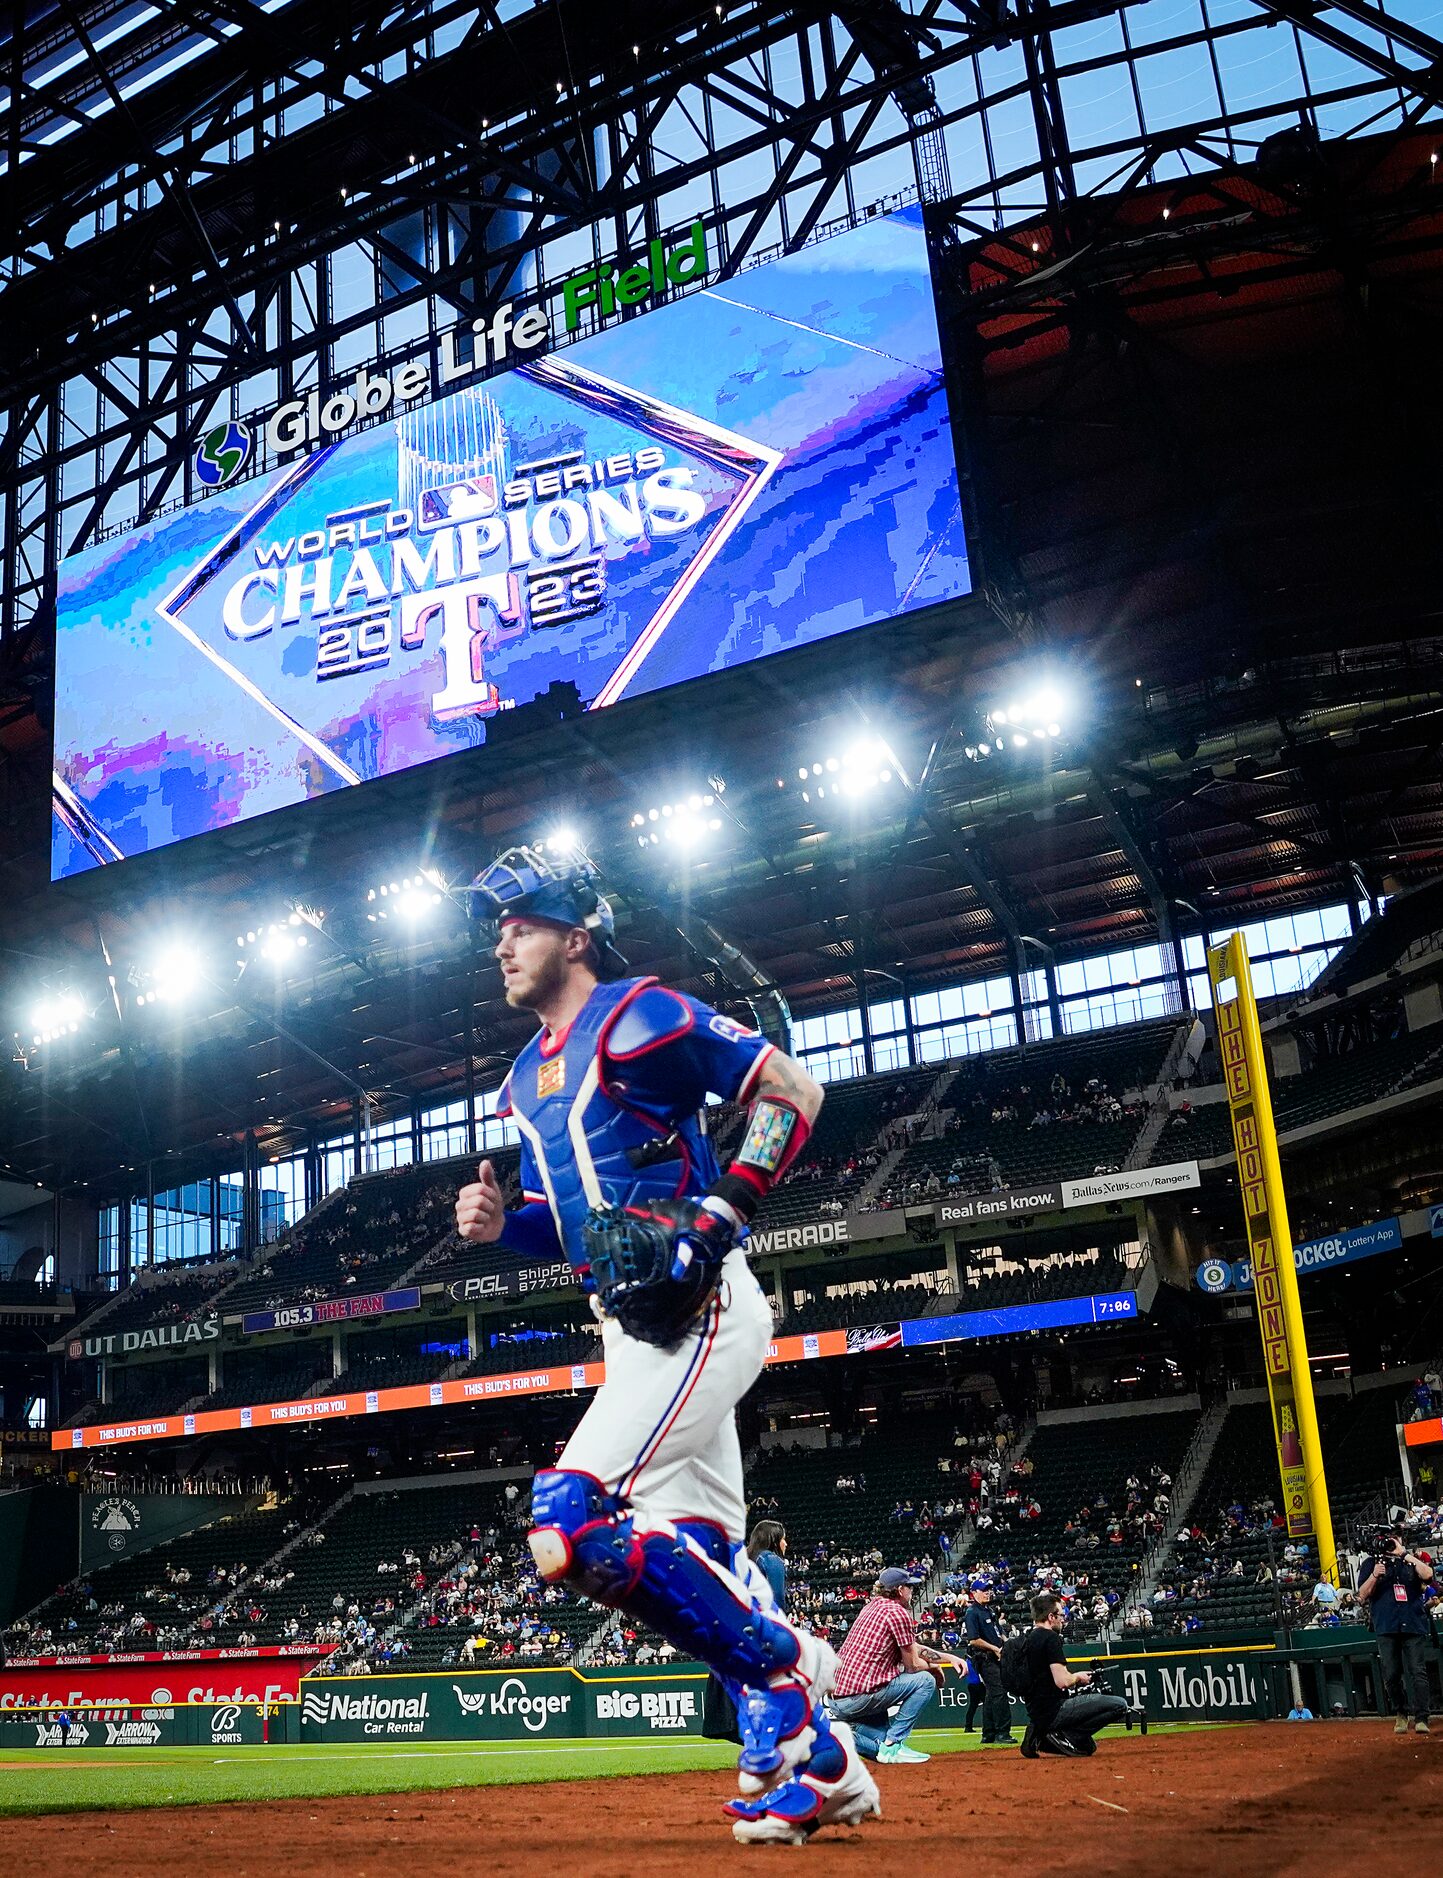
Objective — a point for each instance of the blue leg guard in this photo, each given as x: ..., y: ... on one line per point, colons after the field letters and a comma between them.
x: 708, y: 1537
x: 769, y: 1717
x: 679, y: 1581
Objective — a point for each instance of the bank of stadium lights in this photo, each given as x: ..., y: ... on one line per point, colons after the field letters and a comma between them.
x: 59, y: 1015
x: 171, y: 976
x: 411, y: 900
x: 1035, y: 718
x: 688, y: 823
x: 277, y: 940
x: 860, y: 770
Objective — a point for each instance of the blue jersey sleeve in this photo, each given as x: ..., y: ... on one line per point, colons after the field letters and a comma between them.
x: 675, y: 1051
x: 529, y: 1228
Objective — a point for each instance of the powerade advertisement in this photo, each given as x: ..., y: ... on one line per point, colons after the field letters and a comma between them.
x: 760, y: 465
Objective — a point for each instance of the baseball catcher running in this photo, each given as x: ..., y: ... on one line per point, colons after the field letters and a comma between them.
x: 643, y: 1511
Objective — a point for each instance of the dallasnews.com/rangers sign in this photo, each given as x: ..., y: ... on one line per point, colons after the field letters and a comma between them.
x: 635, y: 511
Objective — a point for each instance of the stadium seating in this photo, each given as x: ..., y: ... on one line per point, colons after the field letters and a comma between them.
x: 1330, y: 1087
x: 517, y: 1352
x: 845, y: 1148
x: 378, y: 1231
x: 1406, y: 919
x: 149, y: 1602
x: 163, y: 1299
x: 392, y: 1371
x: 1070, y: 1081
x: 1078, y: 1478
x: 1201, y: 1584
x: 271, y: 1378
x: 401, y: 1579
x: 146, y: 1390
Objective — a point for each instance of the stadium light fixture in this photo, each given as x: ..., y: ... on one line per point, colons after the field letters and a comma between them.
x: 687, y: 824
x: 59, y: 1014
x: 278, y: 940
x: 861, y: 768
x: 564, y: 842
x: 172, y: 975
x: 1037, y: 715
x: 412, y: 899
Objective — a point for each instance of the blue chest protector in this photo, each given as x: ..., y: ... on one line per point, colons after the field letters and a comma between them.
x: 611, y: 1114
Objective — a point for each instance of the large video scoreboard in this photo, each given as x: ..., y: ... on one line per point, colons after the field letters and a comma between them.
x: 759, y: 465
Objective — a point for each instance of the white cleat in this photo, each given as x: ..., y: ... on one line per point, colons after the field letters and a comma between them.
x: 791, y: 1813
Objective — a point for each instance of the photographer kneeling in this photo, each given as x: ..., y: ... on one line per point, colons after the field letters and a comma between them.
x: 1391, y: 1583
x: 1059, y: 1721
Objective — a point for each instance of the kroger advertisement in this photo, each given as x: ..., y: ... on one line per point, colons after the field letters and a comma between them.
x: 762, y: 464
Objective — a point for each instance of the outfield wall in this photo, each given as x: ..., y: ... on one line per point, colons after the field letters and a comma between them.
x: 560, y: 1704
x: 1235, y: 1682
x: 154, y: 1680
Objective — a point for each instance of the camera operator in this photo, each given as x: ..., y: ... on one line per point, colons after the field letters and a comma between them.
x: 1390, y: 1583
x: 1063, y: 1710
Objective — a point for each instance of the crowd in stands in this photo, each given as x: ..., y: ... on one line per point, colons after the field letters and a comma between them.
x: 1210, y: 1565
x: 491, y: 1602
x: 955, y: 1157
x: 356, y: 1242
x: 1425, y: 1397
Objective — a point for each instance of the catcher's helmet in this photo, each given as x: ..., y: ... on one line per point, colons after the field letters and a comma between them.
x: 521, y: 882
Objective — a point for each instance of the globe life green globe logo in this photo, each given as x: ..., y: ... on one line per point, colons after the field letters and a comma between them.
x: 222, y: 454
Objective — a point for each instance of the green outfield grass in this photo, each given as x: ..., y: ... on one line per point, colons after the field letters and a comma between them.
x: 40, y: 1780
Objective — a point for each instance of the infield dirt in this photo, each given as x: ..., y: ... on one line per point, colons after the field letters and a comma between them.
x: 1270, y: 1799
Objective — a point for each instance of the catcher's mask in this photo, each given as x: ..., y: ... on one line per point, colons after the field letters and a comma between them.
x: 523, y: 884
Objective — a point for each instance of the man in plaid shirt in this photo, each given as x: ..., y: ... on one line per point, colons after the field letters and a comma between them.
x: 881, y: 1667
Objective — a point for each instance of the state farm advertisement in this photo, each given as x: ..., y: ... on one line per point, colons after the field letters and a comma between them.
x: 157, y: 1684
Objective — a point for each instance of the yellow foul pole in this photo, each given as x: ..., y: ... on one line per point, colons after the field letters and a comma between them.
x: 1270, y: 1241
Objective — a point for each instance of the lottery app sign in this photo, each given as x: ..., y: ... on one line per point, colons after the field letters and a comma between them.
x: 760, y: 465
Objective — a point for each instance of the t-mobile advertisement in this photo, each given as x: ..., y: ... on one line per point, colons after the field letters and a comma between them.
x: 762, y: 464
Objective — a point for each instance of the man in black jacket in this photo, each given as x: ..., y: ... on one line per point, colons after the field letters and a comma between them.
x: 1060, y: 1720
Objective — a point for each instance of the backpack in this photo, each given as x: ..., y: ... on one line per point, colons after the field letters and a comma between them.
x: 1016, y: 1678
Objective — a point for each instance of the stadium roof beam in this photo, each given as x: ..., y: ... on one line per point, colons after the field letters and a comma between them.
x: 1307, y: 16
x: 1149, y: 864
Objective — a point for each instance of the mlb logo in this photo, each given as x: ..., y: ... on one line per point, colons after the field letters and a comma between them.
x: 373, y: 1401
x: 811, y: 1346
x: 190, y: 1424
x: 435, y: 1395
x: 470, y: 499
x: 247, y: 1416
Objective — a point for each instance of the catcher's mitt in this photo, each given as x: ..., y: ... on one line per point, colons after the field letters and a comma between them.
x: 655, y: 1266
